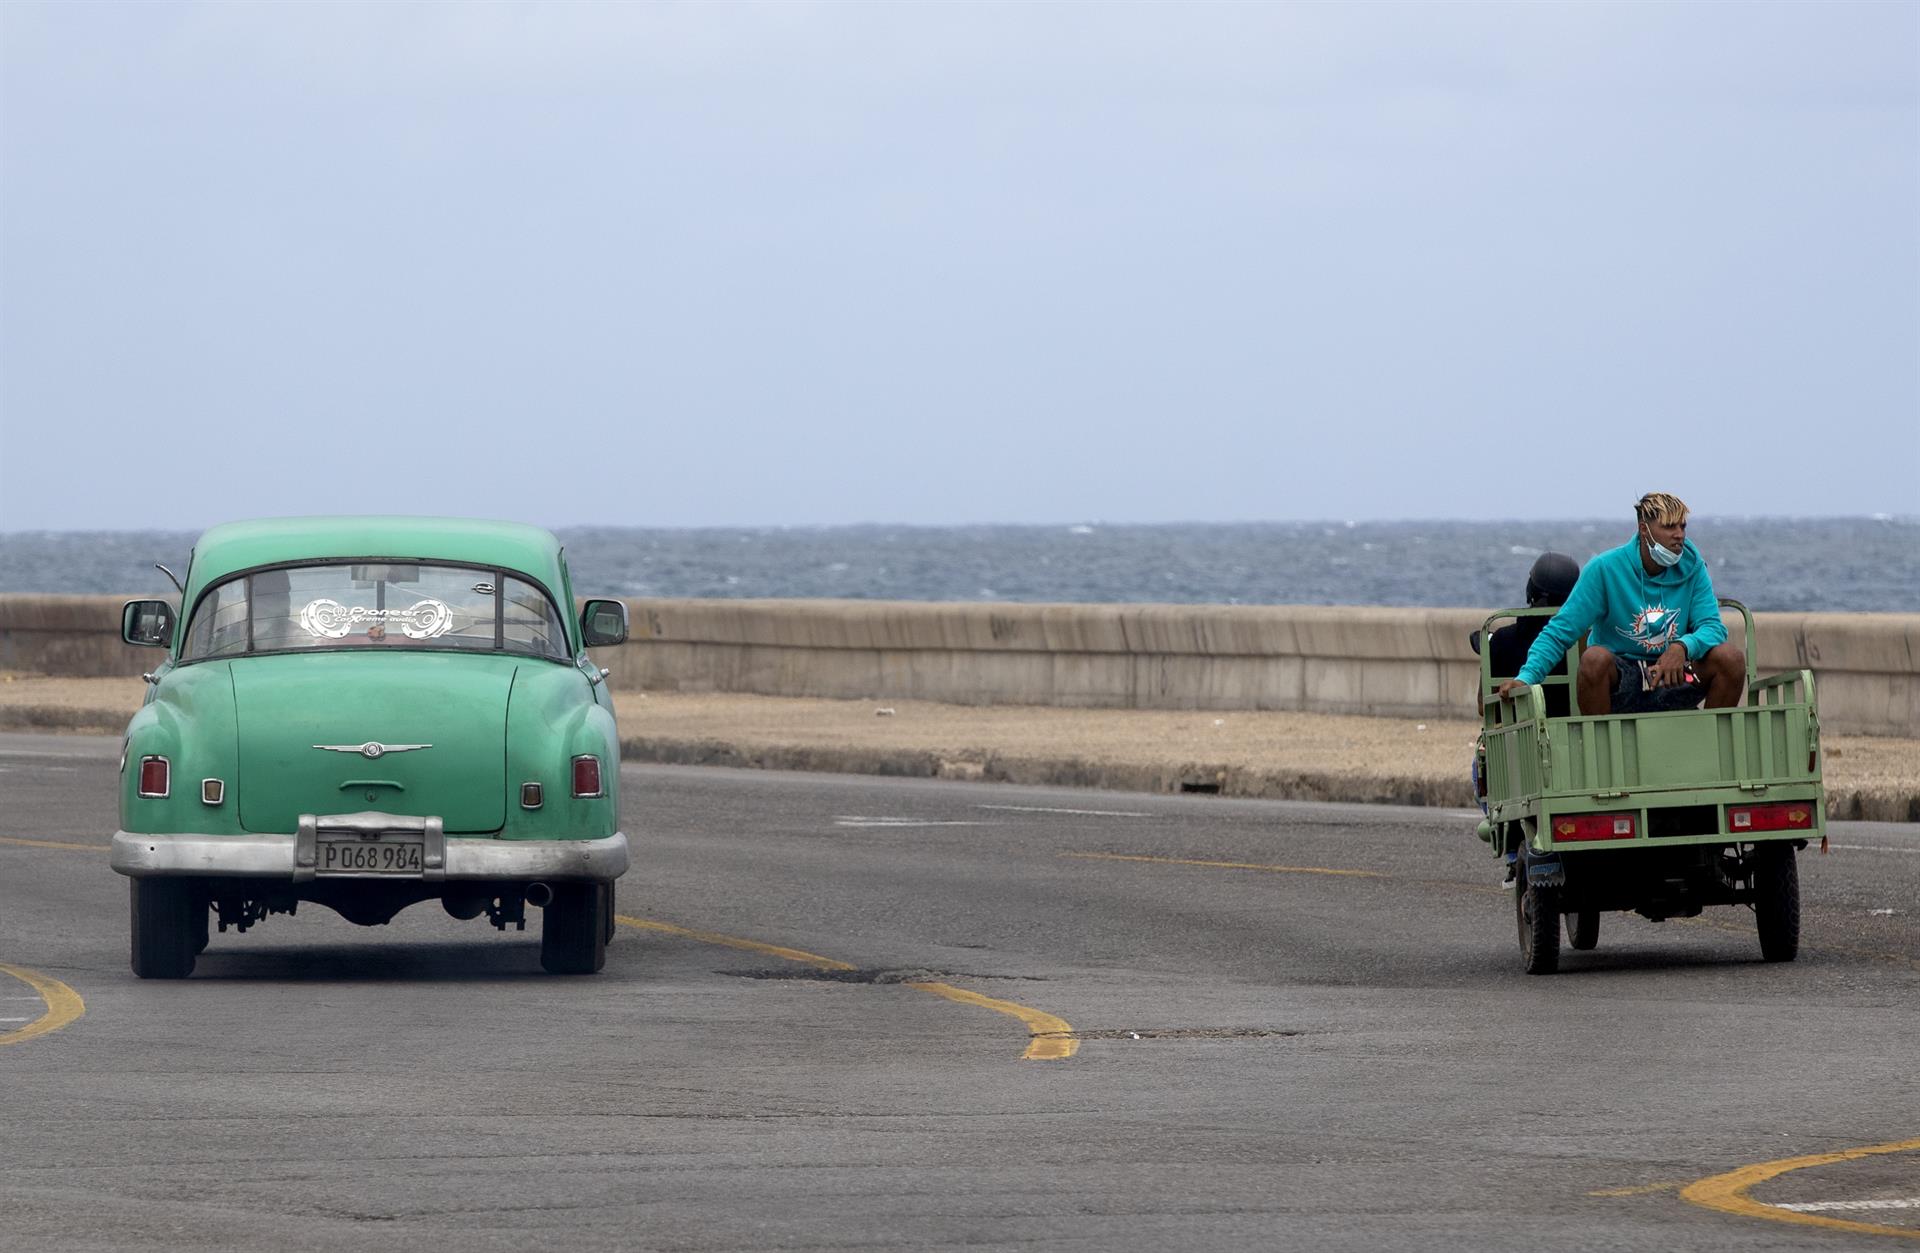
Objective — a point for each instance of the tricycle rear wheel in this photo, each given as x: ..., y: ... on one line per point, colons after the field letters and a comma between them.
x: 1776, y: 901
x: 1538, y: 910
x: 1583, y: 928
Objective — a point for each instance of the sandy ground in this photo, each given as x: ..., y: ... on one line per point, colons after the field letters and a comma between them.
x: 1307, y: 756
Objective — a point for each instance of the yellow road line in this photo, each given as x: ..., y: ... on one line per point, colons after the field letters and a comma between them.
x: 1642, y: 1189
x: 1052, y: 1038
x: 1228, y: 865
x: 23, y: 843
x: 63, y: 1004
x: 734, y: 941
x: 1728, y: 1192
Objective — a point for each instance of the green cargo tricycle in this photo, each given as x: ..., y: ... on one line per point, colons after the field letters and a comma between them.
x: 1662, y: 814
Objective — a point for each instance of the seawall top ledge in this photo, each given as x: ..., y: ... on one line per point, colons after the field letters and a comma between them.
x: 1198, y: 630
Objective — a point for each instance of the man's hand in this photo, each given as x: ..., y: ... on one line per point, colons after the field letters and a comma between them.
x: 1670, y: 669
x: 1509, y: 688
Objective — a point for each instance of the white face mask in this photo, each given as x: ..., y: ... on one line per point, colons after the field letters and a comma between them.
x: 1661, y: 556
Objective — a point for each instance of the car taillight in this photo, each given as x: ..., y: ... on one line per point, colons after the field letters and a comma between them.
x: 156, y: 776
x: 1594, y: 827
x: 1783, y: 816
x: 586, y: 775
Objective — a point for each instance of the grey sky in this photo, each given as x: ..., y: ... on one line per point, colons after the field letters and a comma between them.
x: 702, y: 264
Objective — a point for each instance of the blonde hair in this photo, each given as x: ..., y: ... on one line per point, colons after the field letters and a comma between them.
x: 1661, y: 508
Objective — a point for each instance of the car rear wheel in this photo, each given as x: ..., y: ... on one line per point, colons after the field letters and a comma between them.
x: 165, y: 938
x: 573, y: 930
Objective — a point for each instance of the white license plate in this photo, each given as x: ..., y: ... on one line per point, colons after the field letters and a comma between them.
x: 351, y: 855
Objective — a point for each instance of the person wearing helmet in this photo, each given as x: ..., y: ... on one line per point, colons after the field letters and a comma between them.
x: 1655, y: 638
x: 1549, y: 583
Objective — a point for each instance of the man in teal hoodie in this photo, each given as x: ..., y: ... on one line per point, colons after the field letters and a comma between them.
x: 1655, y: 639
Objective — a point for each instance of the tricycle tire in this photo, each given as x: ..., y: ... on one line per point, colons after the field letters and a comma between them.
x: 1538, y: 912
x: 163, y: 931
x: 573, y: 929
x: 1583, y: 929
x: 1776, y: 901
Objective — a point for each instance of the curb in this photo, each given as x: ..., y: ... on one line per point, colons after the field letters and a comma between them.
x: 64, y: 718
x: 987, y: 767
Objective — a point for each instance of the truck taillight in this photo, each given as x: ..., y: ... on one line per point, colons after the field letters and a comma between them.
x: 1783, y: 816
x: 1594, y: 827
x: 586, y: 775
x: 156, y: 777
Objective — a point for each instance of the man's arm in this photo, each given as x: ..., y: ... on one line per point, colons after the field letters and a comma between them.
x: 1703, y: 615
x: 1550, y: 646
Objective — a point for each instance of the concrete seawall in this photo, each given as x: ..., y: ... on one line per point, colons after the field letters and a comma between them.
x: 1345, y: 660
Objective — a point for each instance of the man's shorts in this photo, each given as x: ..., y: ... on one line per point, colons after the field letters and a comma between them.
x: 1631, y: 695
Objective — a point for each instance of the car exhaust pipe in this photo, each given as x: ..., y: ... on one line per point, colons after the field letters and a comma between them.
x: 539, y: 894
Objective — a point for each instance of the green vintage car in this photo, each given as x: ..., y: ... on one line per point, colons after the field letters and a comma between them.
x: 366, y: 713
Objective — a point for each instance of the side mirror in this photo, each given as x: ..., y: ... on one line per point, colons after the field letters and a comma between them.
x: 603, y: 622
x: 148, y: 623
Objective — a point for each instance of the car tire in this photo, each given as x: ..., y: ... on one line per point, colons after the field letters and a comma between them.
x: 1583, y: 929
x: 164, y: 935
x: 573, y: 930
x: 1776, y: 902
x: 612, y: 926
x: 1537, y: 910
x: 202, y: 924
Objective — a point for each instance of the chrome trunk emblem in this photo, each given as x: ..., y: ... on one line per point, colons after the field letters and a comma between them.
x: 371, y: 749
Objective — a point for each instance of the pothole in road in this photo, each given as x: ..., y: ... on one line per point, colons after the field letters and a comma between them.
x: 912, y: 974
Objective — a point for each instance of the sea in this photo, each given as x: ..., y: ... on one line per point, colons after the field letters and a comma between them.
x: 1858, y: 565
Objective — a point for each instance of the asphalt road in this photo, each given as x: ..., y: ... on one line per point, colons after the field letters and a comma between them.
x: 815, y: 1032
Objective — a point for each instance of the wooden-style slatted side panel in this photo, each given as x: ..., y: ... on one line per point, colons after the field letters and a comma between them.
x: 1765, y: 744
x: 1600, y: 754
x: 1513, y: 762
x: 1792, y: 688
x: 1755, y: 744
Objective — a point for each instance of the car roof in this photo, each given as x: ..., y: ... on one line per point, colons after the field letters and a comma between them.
x: 234, y: 546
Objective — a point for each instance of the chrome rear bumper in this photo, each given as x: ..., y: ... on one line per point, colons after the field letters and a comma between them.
x: 292, y: 857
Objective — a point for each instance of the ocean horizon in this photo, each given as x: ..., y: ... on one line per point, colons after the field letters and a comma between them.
x: 1857, y: 564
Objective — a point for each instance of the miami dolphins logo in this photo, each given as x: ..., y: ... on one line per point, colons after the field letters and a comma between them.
x: 1653, y: 628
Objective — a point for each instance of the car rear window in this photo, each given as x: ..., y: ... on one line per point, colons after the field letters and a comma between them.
x: 375, y: 605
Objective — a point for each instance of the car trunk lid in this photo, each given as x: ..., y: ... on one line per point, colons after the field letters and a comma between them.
x: 422, y: 735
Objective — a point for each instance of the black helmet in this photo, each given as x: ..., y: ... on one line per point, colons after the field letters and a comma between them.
x: 1551, y: 580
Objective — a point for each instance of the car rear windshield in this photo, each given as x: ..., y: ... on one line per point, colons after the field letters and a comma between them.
x: 375, y: 605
